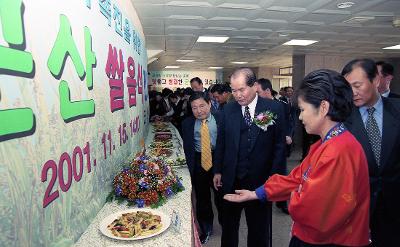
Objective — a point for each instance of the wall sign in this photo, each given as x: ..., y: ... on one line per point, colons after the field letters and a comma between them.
x: 181, y: 79
x: 73, y: 107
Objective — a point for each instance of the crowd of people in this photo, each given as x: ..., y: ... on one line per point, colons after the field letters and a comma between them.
x: 237, y: 137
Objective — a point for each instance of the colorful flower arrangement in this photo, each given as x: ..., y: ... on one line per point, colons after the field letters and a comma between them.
x: 147, y: 181
x: 264, y: 119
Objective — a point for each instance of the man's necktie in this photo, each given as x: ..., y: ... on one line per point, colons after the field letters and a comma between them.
x: 374, y: 135
x: 247, y: 117
x: 206, y: 158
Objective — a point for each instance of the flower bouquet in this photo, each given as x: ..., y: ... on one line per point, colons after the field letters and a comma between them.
x: 264, y: 119
x: 146, y: 182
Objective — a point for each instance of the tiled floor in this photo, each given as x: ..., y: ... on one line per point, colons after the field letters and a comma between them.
x: 281, y: 223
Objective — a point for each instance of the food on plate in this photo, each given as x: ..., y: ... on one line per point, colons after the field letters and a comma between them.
x: 161, y: 152
x: 162, y: 131
x: 160, y: 126
x: 135, y: 224
x: 180, y: 161
x: 162, y: 137
x: 161, y: 144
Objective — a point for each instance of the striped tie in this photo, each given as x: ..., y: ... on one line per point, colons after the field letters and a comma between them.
x: 374, y: 135
x: 206, y: 159
x: 247, y: 116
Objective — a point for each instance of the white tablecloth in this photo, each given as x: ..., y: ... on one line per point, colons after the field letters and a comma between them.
x: 181, y: 203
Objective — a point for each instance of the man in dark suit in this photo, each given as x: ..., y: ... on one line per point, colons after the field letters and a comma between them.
x: 197, y: 85
x: 264, y: 90
x: 176, y: 104
x: 385, y: 72
x: 245, y: 157
x: 222, y: 94
x: 202, y: 170
x: 293, y: 113
x: 375, y: 122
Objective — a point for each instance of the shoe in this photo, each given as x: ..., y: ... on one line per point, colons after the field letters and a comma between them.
x: 205, y: 237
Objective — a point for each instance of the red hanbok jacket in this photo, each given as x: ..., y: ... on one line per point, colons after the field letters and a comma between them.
x: 328, y: 192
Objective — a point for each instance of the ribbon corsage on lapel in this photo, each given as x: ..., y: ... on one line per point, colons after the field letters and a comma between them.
x: 264, y: 119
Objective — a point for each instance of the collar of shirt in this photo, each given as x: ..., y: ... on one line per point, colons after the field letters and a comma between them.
x: 336, y: 130
x: 386, y: 94
x: 212, y: 128
x: 208, y: 119
x: 166, y: 101
x: 252, y: 107
x: 378, y: 113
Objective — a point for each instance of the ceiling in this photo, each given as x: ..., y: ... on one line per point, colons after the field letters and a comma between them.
x: 257, y: 29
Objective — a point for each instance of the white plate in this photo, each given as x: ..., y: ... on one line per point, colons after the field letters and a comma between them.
x: 165, y: 221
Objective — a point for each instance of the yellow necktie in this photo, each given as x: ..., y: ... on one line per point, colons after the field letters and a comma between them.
x: 206, y: 158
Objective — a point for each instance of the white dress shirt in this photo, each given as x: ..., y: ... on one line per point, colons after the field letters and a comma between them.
x: 252, y: 107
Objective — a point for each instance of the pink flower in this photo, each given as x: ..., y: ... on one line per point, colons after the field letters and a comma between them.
x: 260, y: 117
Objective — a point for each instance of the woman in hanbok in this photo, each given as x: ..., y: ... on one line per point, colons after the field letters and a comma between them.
x: 329, y: 191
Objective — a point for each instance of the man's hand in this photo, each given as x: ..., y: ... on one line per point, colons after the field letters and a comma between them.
x: 217, y: 181
x: 288, y: 140
x: 241, y: 196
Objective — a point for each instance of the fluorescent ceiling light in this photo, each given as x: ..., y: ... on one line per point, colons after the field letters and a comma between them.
x: 185, y: 60
x: 359, y: 19
x: 239, y: 62
x: 395, y: 47
x: 345, y: 5
x: 212, y: 39
x: 302, y: 42
x: 172, y: 67
x: 215, y: 67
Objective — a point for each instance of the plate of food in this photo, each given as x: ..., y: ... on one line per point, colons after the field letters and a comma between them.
x: 167, y: 144
x: 134, y: 224
x: 162, y: 131
x: 161, y: 152
x: 161, y: 137
x: 180, y: 161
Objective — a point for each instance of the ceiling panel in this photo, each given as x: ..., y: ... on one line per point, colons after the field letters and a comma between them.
x: 258, y: 28
x: 387, y: 6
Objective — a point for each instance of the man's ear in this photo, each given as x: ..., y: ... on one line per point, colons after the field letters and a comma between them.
x: 376, y: 81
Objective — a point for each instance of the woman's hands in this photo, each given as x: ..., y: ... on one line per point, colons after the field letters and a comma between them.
x: 241, y: 196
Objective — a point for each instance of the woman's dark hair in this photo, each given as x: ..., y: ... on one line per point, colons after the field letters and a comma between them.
x: 199, y: 95
x: 365, y: 64
x: 330, y: 86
